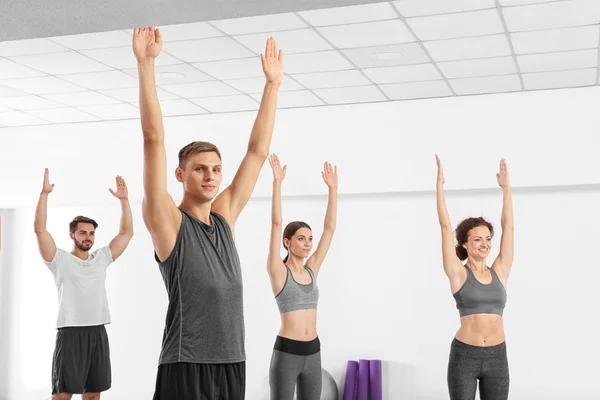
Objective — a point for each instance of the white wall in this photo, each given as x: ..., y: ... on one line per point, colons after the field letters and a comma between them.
x: 383, y: 294
x: 548, y: 137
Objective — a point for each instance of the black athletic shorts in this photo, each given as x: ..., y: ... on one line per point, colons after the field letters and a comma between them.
x: 81, y: 360
x: 186, y: 381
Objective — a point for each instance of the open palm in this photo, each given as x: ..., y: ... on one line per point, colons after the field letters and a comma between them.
x: 330, y: 175
x: 440, y: 171
x: 272, y: 62
x: 502, y: 176
x: 147, y: 43
x: 47, y: 187
x: 122, y: 192
x: 278, y: 171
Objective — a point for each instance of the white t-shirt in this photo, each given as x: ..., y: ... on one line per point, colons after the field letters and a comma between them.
x: 81, y: 287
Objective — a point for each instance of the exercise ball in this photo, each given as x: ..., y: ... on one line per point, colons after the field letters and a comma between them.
x: 330, y: 389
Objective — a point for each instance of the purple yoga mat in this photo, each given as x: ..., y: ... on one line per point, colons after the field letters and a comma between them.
x: 350, y: 384
x: 375, y: 378
x: 363, y: 380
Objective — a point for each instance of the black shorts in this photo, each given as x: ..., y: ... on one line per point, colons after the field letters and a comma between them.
x: 81, y: 360
x: 186, y: 381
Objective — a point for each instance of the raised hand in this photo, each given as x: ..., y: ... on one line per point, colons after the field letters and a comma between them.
x: 122, y: 192
x: 330, y: 175
x: 147, y: 43
x: 502, y: 176
x: 278, y: 172
x: 47, y: 187
x: 272, y: 62
x: 440, y: 171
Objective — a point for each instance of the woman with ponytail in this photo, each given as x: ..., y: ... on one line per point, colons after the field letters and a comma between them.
x: 478, y: 352
x: 296, y: 359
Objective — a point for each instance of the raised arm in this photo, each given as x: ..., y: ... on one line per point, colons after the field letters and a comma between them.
x: 161, y: 215
x: 503, y: 262
x: 275, y: 267
x: 330, y: 177
x: 452, y: 265
x: 45, y: 241
x: 119, y: 243
x: 232, y: 200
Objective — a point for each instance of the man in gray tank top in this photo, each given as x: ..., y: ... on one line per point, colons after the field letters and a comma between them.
x: 203, y: 355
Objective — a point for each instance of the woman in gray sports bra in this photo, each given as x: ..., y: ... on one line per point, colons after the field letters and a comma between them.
x: 478, y: 352
x: 296, y: 359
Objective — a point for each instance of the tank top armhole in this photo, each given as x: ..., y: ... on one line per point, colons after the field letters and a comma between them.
x: 287, y: 276
x: 224, y: 222
x: 311, y: 272
x: 177, y: 242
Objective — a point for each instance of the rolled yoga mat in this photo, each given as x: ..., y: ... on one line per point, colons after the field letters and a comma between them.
x: 363, y: 380
x: 350, y: 384
x: 375, y: 380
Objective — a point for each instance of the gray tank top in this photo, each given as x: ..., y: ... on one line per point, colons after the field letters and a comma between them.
x: 475, y: 297
x: 205, y: 319
x: 296, y: 296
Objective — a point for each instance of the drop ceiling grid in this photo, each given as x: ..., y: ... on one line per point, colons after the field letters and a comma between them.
x: 219, y: 30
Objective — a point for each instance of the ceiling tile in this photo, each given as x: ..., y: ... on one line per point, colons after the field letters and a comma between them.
x: 493, y: 84
x: 234, y: 69
x: 468, y: 48
x: 350, y: 14
x: 197, y: 30
x: 322, y: 80
x: 368, y: 34
x: 300, y: 98
x: 559, y: 14
x: 560, y: 79
x: 257, y: 85
x: 404, y: 73
x: 416, y: 90
x: 558, y: 61
x: 585, y: 37
x: 32, y: 46
x: 61, y: 63
x: 383, y: 56
x: 171, y: 108
x: 132, y: 95
x: 202, y: 50
x: 115, y: 111
x: 521, y: 2
x: 201, y: 89
x: 227, y: 103
x: 349, y: 95
x: 6, y: 91
x: 18, y: 118
x: 63, y: 115
x: 263, y: 23
x: 315, y: 62
x: 172, y: 74
x: 448, y: 26
x: 27, y: 103
x: 42, y: 85
x: 296, y: 41
x: 81, y: 99
x: 482, y: 67
x: 122, y: 57
x: 102, y: 80
x: 416, y: 8
x: 94, y: 40
x: 12, y: 70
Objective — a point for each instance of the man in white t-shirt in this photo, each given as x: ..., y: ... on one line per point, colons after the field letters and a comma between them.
x: 81, y: 362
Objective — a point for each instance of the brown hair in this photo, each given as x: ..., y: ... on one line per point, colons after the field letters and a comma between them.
x: 462, y: 234
x: 73, y: 224
x: 289, y: 231
x: 196, y: 148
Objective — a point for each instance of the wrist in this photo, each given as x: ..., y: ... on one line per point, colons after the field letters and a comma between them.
x: 273, y: 84
x: 145, y: 62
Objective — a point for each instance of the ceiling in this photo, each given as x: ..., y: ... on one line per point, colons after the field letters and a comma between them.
x: 377, y: 52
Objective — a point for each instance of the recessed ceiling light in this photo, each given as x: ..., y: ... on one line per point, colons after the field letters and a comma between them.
x: 171, y: 75
x: 387, y: 56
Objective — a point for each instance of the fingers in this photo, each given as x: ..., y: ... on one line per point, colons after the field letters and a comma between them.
x: 136, y: 31
x: 280, y: 57
x: 158, y: 35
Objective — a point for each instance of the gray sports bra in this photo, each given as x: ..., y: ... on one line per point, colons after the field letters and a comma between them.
x: 296, y: 296
x: 475, y: 297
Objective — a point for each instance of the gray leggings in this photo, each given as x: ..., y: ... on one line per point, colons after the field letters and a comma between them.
x: 469, y: 363
x: 299, y: 371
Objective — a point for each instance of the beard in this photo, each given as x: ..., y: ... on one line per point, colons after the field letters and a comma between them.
x: 83, y: 246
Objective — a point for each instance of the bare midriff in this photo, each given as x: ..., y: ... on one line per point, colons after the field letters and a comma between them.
x: 299, y: 325
x: 481, y: 330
